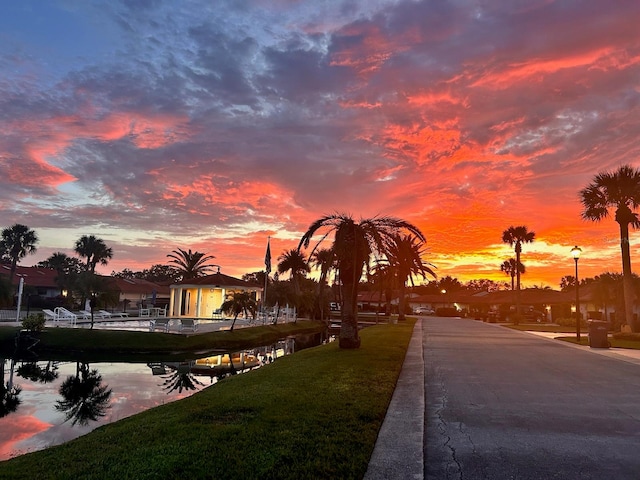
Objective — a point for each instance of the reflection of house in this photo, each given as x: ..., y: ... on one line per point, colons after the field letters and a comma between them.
x: 200, y: 297
x: 136, y: 292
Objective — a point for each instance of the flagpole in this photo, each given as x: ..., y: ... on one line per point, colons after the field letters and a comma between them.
x: 267, y: 271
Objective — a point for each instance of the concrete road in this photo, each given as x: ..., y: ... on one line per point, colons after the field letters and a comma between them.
x: 502, y: 404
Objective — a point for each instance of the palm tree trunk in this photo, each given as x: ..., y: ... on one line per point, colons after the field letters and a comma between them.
x: 401, y: 302
x: 627, y: 278
x: 232, y: 325
x: 518, y: 307
x: 349, y: 326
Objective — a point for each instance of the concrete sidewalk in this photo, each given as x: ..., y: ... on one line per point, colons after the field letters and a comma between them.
x: 398, y: 452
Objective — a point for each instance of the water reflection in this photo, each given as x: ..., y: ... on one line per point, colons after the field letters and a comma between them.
x: 181, y: 379
x: 9, y: 393
x: 84, y: 397
x: 52, y: 402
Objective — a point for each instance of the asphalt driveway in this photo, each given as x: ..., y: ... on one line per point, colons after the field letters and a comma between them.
x: 502, y: 404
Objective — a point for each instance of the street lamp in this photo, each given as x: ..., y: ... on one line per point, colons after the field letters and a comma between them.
x: 575, y: 253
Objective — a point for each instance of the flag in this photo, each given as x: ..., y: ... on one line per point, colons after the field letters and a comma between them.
x: 267, y: 258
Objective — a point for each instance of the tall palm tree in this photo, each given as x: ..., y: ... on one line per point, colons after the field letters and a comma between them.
x: 404, y: 253
x: 94, y: 250
x: 516, y: 236
x: 323, y: 259
x: 191, y: 264
x: 294, y: 262
x: 509, y: 267
x: 238, y: 303
x: 17, y: 242
x: 617, y: 190
x: 353, y: 244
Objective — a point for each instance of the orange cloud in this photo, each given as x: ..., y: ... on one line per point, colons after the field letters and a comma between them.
x: 16, y: 428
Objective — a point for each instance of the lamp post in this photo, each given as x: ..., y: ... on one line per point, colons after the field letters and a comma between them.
x: 575, y: 253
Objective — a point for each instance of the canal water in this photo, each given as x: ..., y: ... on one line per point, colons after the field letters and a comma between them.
x: 47, y: 403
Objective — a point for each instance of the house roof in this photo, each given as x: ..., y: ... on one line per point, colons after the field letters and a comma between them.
x: 34, y: 276
x: 527, y: 296
x: 217, y: 280
x: 138, y: 286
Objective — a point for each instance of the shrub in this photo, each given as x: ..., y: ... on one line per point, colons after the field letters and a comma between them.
x: 34, y: 322
x: 631, y: 337
x: 571, y: 322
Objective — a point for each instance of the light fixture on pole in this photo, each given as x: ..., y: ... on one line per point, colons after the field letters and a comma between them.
x: 575, y: 253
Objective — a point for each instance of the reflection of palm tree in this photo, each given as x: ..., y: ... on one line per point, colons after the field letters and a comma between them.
x: 619, y: 190
x: 84, y: 396
x: 9, y: 394
x: 181, y: 379
x: 34, y: 372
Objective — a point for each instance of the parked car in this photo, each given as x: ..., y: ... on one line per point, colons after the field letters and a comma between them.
x: 423, y: 311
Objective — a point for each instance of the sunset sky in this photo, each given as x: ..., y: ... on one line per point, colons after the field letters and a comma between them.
x: 212, y: 125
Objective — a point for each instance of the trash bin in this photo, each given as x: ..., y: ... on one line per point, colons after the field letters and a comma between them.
x: 598, y: 334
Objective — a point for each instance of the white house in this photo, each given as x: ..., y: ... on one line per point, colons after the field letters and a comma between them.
x: 202, y: 297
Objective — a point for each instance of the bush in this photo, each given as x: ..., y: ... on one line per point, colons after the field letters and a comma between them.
x: 631, y: 337
x: 571, y: 322
x: 34, y: 322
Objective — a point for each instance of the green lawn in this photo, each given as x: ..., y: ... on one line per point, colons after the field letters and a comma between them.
x: 315, y: 414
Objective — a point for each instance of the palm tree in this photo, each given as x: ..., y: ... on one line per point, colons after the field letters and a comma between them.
x: 65, y: 266
x: 509, y: 267
x: 620, y: 191
x: 404, y: 254
x: 324, y: 260
x: 293, y: 261
x: 238, y: 303
x: 384, y: 278
x: 94, y: 250
x: 181, y: 379
x: 84, y: 397
x: 9, y: 393
x: 353, y: 244
x: 516, y: 236
x: 98, y: 289
x: 34, y: 372
x: 191, y: 264
x: 17, y: 242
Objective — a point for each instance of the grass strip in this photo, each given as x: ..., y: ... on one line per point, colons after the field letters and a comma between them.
x: 315, y: 414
